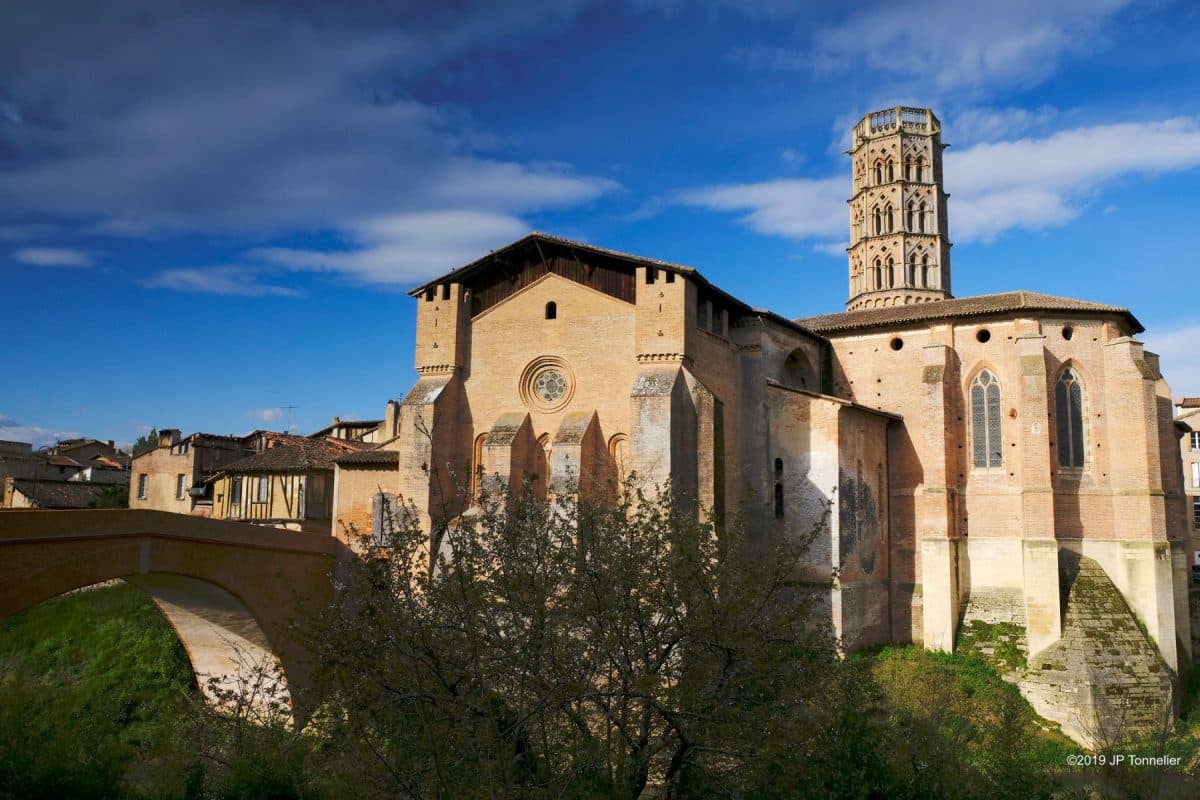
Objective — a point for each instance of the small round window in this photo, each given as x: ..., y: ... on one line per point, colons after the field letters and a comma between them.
x: 549, y: 385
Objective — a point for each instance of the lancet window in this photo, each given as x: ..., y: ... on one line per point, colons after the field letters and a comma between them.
x: 1068, y: 410
x: 986, y: 448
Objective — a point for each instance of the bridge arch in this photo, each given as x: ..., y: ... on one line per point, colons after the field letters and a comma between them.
x: 232, y: 591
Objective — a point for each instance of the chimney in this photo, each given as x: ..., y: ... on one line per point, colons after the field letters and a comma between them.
x: 168, y: 437
x: 390, y: 418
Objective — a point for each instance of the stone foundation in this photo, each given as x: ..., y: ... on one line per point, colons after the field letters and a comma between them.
x: 1104, y: 680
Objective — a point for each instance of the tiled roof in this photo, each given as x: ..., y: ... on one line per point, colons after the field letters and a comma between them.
x: 296, y: 454
x: 375, y: 457
x: 60, y: 494
x: 349, y: 423
x: 980, y: 305
x: 114, y: 462
x: 64, y: 461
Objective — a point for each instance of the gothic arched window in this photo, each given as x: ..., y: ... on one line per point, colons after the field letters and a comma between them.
x: 1068, y: 410
x: 910, y: 278
x: 908, y: 169
x: 878, y: 220
x: 891, y: 173
x: 986, y: 447
x: 922, y: 217
x: 890, y: 219
x: 878, y: 275
x: 891, y: 272
x: 921, y: 168
x: 878, y: 172
x: 925, y: 270
x: 912, y: 216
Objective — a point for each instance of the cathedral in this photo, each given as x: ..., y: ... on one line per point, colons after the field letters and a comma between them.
x: 1005, y: 459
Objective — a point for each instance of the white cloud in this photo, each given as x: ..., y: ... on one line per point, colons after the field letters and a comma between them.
x: 406, y: 248
x: 267, y: 414
x: 957, y: 45
x: 797, y: 208
x: 394, y: 249
x: 266, y: 119
x: 52, y: 257
x: 1029, y: 183
x: 985, y: 124
x: 1179, y: 351
x: 832, y: 248
x: 228, y: 279
x: 38, y: 435
x: 1039, y: 183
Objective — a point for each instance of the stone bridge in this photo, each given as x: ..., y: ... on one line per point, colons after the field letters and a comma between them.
x: 230, y: 590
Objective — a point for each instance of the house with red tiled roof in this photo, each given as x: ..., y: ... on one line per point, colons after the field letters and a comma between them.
x: 287, y: 485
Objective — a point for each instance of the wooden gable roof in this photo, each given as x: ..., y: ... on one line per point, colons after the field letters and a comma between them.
x: 504, y: 272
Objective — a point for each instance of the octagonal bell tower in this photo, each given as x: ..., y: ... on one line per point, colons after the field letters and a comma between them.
x: 899, y: 247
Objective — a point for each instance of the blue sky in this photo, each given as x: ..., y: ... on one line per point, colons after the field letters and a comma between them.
x: 211, y: 211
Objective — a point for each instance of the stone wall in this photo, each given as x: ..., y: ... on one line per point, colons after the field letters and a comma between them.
x: 1104, y: 680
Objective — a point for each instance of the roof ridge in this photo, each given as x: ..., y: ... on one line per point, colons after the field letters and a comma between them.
x: 970, y: 306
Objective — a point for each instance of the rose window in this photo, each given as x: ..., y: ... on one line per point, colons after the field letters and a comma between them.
x: 550, y: 386
x: 547, y: 384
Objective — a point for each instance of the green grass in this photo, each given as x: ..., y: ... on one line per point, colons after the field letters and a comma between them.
x: 976, y: 637
x: 93, y: 686
x: 964, y: 695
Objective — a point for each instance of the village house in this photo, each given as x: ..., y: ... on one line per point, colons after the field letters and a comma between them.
x: 1188, y: 419
x: 49, y: 494
x: 173, y: 476
x: 367, y: 482
x: 290, y: 484
x: 87, y: 460
x: 367, y: 430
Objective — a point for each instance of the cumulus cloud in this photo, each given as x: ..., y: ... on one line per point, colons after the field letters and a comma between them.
x: 956, y: 45
x: 1028, y: 183
x: 404, y: 248
x: 52, y: 257
x: 395, y: 249
x: 37, y: 435
x: 1180, y: 358
x: 1035, y: 183
x: 261, y: 118
x: 798, y: 208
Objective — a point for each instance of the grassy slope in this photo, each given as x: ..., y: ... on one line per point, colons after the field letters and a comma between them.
x: 966, y: 696
x: 92, y: 684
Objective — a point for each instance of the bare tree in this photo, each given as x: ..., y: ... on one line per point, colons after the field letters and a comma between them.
x: 575, y: 649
